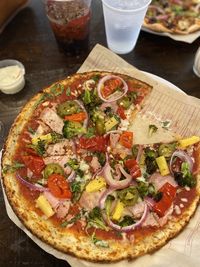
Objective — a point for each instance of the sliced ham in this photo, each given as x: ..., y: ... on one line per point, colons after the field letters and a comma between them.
x: 42, y: 128
x: 62, y: 148
x: 95, y: 164
x: 53, y: 201
x: 158, y: 180
x: 163, y: 220
x: 114, y: 138
x: 60, y: 207
x: 61, y: 160
x: 90, y: 200
x: 151, y: 220
x: 50, y: 117
x: 63, y: 209
x: 138, y: 209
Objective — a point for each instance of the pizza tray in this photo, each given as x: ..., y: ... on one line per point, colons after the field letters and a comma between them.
x: 183, y: 249
x: 188, y: 38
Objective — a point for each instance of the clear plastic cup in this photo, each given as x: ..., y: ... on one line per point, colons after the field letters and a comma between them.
x: 123, y: 21
x: 70, y: 21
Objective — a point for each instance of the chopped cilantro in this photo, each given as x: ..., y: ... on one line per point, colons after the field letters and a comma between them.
x: 12, y: 168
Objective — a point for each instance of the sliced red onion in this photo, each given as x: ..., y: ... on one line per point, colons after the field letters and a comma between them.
x: 150, y: 202
x: 162, y: 17
x: 31, y: 186
x: 139, y: 154
x: 85, y: 123
x: 115, y: 183
x: 113, y: 97
x: 71, y: 177
x: 104, y: 196
x: 118, y: 173
x: 184, y: 157
x: 128, y: 176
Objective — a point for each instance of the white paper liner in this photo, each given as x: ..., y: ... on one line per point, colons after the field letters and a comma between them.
x: 188, y: 38
x: 12, y: 16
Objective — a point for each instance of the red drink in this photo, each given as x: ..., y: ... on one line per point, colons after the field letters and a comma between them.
x: 70, y: 22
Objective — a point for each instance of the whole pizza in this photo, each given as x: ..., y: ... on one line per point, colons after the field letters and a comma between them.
x: 77, y: 180
x: 173, y: 16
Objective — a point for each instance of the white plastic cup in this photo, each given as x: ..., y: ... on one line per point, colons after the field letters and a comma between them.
x: 123, y: 21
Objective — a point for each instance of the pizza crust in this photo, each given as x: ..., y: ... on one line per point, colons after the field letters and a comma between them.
x: 65, y: 241
x: 158, y: 27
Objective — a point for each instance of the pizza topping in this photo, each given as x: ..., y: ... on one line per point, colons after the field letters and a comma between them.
x: 53, y: 168
x: 162, y: 165
x: 34, y: 163
x: 44, y: 205
x: 184, y: 157
x: 107, y: 173
x: 58, y: 186
x: 158, y: 180
x: 168, y: 195
x: 126, y: 139
x: 111, y: 88
x: 72, y: 129
x: 61, y: 160
x: 94, y: 144
x: 50, y: 117
x: 133, y: 168
x: 31, y: 186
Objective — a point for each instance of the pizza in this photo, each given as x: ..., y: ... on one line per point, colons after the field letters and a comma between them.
x: 77, y: 180
x: 173, y: 16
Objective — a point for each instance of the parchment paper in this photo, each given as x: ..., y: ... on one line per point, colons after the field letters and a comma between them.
x: 188, y: 38
x: 184, y: 111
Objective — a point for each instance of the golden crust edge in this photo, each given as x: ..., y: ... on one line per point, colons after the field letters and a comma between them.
x: 158, y: 27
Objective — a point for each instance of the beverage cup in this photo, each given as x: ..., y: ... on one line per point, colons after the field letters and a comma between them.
x: 70, y: 21
x: 123, y: 21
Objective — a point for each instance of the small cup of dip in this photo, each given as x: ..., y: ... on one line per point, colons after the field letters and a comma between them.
x: 11, y: 76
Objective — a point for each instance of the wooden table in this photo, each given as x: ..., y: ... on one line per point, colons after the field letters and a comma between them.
x: 28, y: 38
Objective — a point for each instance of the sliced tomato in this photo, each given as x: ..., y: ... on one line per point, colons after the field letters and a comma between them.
x: 168, y: 194
x: 78, y: 117
x: 58, y: 186
x: 111, y: 86
x: 121, y: 112
x: 133, y: 167
x: 96, y: 143
x: 126, y: 139
x: 34, y: 163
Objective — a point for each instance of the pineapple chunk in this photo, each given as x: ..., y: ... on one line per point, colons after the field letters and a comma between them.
x: 43, y: 204
x: 111, y: 123
x: 46, y: 137
x: 96, y: 184
x: 118, y: 211
x: 162, y: 165
x: 189, y: 141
